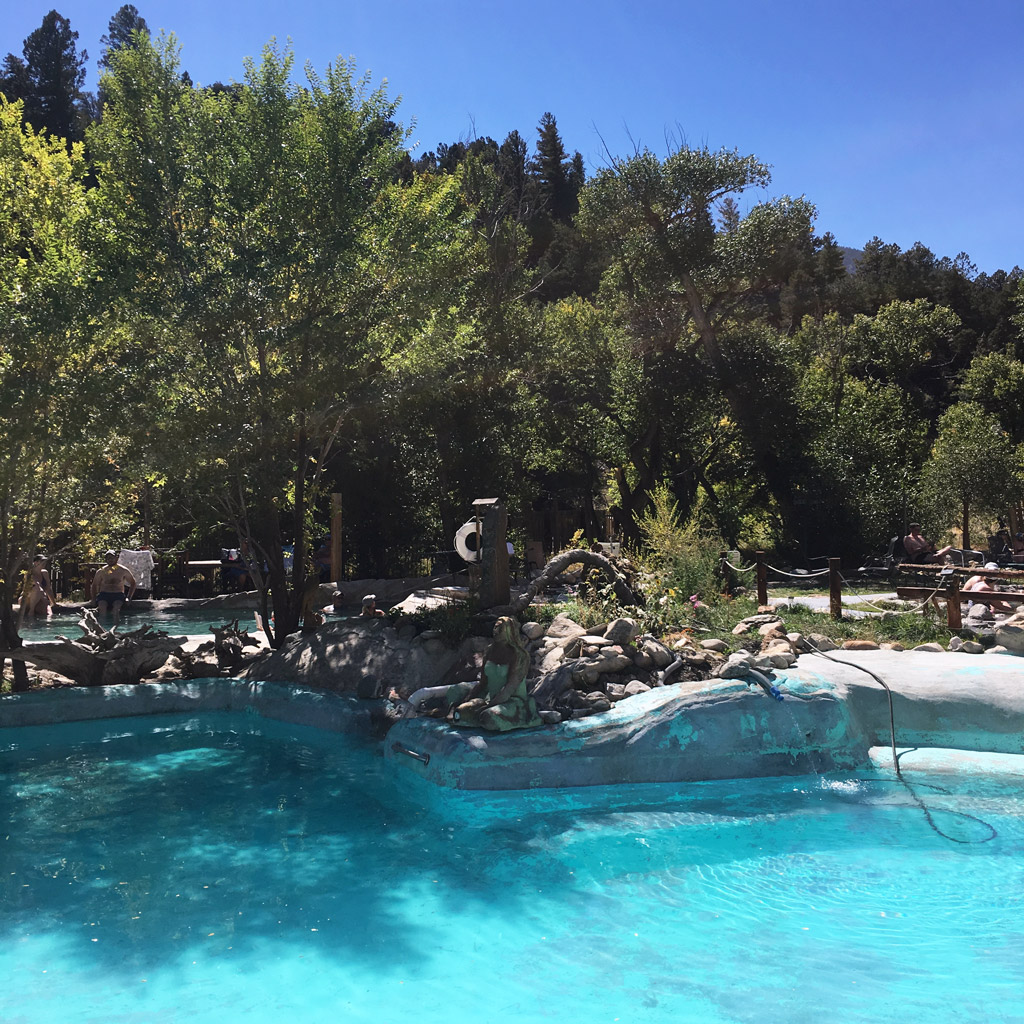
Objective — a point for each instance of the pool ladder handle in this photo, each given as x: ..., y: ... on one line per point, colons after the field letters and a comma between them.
x: 399, y: 749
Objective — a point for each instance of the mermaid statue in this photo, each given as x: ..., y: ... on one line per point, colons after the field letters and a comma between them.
x: 498, y: 700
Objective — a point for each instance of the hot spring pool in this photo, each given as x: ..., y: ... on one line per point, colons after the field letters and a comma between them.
x: 230, y: 868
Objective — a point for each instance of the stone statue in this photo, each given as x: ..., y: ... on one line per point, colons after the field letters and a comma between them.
x: 498, y: 700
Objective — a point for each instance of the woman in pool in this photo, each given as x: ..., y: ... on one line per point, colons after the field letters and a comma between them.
x: 39, y: 595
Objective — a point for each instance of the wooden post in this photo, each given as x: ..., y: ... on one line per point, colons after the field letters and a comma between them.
x: 762, y: 578
x: 953, y: 603
x: 835, y: 589
x: 336, y: 572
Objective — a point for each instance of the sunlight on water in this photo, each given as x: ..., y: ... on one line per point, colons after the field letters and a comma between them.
x: 230, y: 868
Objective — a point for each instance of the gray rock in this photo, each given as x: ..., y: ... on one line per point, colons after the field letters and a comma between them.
x: 956, y: 643
x: 563, y: 627
x: 620, y: 631
x: 549, y: 716
x: 998, y: 649
x: 736, y: 666
x: 532, y: 630
x: 635, y: 687
x: 593, y: 640
x: 1011, y: 636
x: 720, y: 646
x: 972, y: 647
x: 657, y: 651
x: 616, y: 691
x: 822, y: 642
x: 932, y: 648
x: 642, y: 660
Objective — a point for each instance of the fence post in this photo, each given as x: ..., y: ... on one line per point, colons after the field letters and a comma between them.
x: 953, y: 619
x: 835, y: 589
x: 762, y: 578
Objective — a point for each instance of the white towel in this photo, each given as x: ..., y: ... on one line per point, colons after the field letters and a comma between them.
x: 140, y: 564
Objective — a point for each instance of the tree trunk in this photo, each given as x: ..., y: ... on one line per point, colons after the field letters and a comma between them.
x: 966, y: 540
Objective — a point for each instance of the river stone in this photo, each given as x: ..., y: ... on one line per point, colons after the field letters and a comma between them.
x: 782, y: 660
x: 563, y: 627
x: 720, y: 646
x: 932, y: 648
x: 658, y: 652
x: 859, y: 645
x: 956, y: 643
x: 736, y: 666
x: 822, y: 642
x: 972, y: 647
x: 549, y: 716
x: 1011, y: 637
x: 895, y: 645
x: 772, y: 629
x: 979, y: 613
x: 620, y: 631
x: 635, y: 686
x: 532, y: 631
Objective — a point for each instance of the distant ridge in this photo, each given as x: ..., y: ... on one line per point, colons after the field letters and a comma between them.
x: 850, y: 258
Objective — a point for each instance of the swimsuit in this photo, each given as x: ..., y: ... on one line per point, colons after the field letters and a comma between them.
x: 109, y: 597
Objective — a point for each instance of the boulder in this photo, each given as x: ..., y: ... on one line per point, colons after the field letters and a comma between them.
x: 1011, y: 636
x: 972, y: 647
x: 736, y: 666
x: 955, y: 644
x: 822, y: 642
x: 635, y: 686
x: 620, y: 631
x: 720, y: 646
x: 859, y: 645
x: 562, y: 627
x: 658, y: 652
x: 642, y: 660
x: 532, y: 630
x: 932, y: 648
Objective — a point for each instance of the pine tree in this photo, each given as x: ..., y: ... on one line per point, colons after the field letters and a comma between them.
x: 556, y: 173
x: 55, y: 74
x: 119, y: 32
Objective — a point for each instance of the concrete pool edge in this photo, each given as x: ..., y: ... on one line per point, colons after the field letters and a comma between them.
x: 331, y: 712
x: 832, y: 719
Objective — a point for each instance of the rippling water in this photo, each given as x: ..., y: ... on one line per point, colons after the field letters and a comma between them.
x: 226, y: 868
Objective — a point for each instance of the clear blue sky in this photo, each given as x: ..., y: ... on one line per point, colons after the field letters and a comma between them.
x: 900, y: 118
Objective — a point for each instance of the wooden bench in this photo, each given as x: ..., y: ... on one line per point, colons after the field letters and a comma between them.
x: 951, y: 593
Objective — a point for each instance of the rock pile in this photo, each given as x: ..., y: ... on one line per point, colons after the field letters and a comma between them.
x: 579, y: 672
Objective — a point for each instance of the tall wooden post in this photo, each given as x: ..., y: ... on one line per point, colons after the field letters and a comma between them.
x: 336, y: 572
x: 835, y: 589
x: 493, y: 526
x: 953, y: 618
x: 762, y: 578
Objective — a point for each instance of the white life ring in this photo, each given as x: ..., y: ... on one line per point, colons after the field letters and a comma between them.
x: 466, y: 542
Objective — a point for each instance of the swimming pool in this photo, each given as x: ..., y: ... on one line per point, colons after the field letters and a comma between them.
x: 225, y: 867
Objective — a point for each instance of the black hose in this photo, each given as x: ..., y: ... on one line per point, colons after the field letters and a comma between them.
x: 896, y: 763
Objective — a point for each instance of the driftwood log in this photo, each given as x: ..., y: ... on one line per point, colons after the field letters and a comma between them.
x: 230, y: 642
x: 561, y: 562
x: 101, y: 658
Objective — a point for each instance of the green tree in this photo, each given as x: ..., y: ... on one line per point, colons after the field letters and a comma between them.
x: 55, y: 73
x: 120, y: 32
x: 996, y: 382
x: 48, y: 381
x: 686, y: 284
x: 973, y: 467
x: 262, y: 227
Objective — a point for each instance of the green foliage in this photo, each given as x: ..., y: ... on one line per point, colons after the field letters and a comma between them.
x: 685, y: 559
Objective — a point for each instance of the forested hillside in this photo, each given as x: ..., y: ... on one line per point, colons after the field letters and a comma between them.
x: 221, y: 304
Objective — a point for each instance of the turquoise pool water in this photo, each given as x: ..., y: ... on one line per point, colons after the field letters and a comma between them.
x: 175, y: 623
x: 228, y: 868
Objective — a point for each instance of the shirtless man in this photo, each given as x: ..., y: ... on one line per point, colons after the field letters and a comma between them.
x: 40, y: 592
x: 920, y: 550
x: 981, y: 584
x: 108, y: 587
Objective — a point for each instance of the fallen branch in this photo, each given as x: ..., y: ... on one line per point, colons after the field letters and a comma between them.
x: 561, y: 562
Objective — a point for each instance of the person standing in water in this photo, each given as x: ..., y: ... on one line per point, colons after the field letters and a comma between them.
x: 108, y: 587
x: 39, y: 594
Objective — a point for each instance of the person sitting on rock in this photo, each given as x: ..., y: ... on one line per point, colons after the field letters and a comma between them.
x: 920, y: 550
x: 499, y: 700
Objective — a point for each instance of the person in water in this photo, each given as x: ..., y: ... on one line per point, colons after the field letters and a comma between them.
x: 39, y: 593
x: 499, y: 700
x: 108, y: 587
